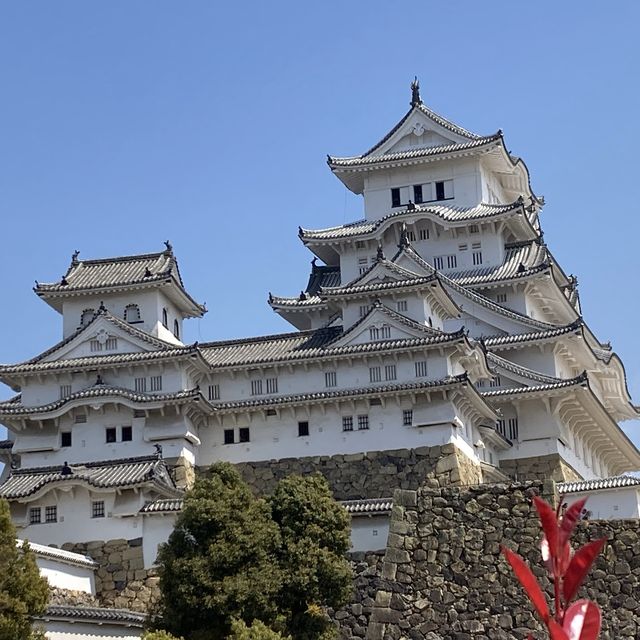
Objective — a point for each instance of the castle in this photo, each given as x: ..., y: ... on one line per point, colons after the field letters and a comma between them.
x: 437, y: 337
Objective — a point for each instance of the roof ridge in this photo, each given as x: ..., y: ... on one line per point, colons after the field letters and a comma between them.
x: 88, y: 465
x: 264, y: 338
x: 130, y: 258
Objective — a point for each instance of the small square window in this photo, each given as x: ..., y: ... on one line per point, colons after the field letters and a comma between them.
x: 401, y: 305
x: 303, y: 428
x: 271, y: 412
x: 65, y: 439
x: 110, y: 434
x: 127, y: 434
x: 363, y: 423
x: 229, y: 436
x: 347, y: 423
x: 501, y: 297
x: 97, y: 509
x: 80, y: 418
x: 35, y: 515
x: 244, y: 434
x: 407, y: 417
x: 51, y: 513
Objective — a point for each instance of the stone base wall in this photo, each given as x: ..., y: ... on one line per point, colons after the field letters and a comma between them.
x: 374, y: 474
x: 444, y: 578
x: 547, y: 467
x: 121, y: 579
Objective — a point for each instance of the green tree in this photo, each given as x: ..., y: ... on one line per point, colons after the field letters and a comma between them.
x: 220, y: 562
x: 159, y: 635
x: 23, y: 593
x: 314, y: 530
x: 257, y: 631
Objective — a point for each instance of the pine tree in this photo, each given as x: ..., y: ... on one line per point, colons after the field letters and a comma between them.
x: 23, y: 593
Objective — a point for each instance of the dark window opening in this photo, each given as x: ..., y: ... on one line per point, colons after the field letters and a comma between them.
x: 417, y: 193
x: 229, y: 436
x: 176, y: 329
x: 110, y: 433
x: 51, y: 514
x: 65, y: 439
x: 97, y: 509
x: 440, y: 191
x: 395, y: 197
x: 35, y: 515
x: 244, y: 434
x: 303, y: 428
x: 165, y: 318
x: 127, y: 434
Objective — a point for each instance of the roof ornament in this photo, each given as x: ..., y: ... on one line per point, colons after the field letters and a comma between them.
x: 313, y: 263
x: 99, y: 380
x: 63, y: 281
x: 404, y: 237
x: 158, y: 448
x: 411, y: 206
x: 521, y: 268
x: 147, y: 273
x: 415, y: 92
x: 74, y: 257
x: 169, y: 247
x: 102, y: 308
x: 66, y: 470
x: 302, y: 296
x: 377, y: 303
x: 380, y: 253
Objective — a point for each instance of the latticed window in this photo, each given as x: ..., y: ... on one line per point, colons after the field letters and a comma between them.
x: 375, y: 374
x: 111, y: 344
x: 495, y: 382
x: 35, y: 515
x: 330, y: 379
x: 95, y: 345
x: 364, y: 309
x: 390, y: 372
x: 65, y: 390
x: 156, y: 383
x: 501, y: 297
x: 407, y: 417
x: 140, y: 384
x: 508, y: 428
x: 97, y: 509
x: 347, y: 423
x: 214, y: 392
x: 272, y: 385
x: 421, y: 369
x: 256, y: 387
x: 424, y: 234
x: 438, y: 262
x: 401, y: 305
x: 51, y: 513
x: 374, y: 333
x: 363, y: 423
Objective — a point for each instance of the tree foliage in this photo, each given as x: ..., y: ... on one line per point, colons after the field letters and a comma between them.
x: 159, y: 635
x: 235, y: 560
x: 23, y: 593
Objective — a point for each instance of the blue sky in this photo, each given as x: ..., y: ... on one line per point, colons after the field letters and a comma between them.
x: 127, y: 123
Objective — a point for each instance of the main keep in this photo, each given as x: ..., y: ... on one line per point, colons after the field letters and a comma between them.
x: 436, y: 338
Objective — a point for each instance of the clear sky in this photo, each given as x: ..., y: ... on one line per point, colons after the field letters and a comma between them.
x: 129, y: 122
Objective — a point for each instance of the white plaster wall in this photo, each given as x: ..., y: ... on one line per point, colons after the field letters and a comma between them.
x: 156, y: 530
x: 609, y: 504
x: 62, y: 630
x: 66, y: 576
x: 369, y: 533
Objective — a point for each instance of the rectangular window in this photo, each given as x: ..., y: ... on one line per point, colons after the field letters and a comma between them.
x: 65, y: 390
x: 80, y: 418
x: 477, y: 257
x: 271, y: 412
x: 65, y: 439
x: 438, y: 262
x: 395, y: 197
x: 139, y: 413
x: 364, y: 309
x: 229, y: 436
x: 156, y: 383
x: 411, y: 236
x: 385, y: 331
x: 512, y: 425
x: 424, y: 234
x: 51, y: 513
x: 407, y: 417
x: 214, y: 392
x: 347, y: 423
x: 501, y: 297
x: 140, y: 384
x: 375, y: 402
x: 126, y: 434
x: 421, y: 369
x: 374, y: 333
x: 417, y: 193
x: 303, y: 429
x: 95, y: 345
x: 272, y: 385
x: 452, y: 262
x: 97, y: 509
x: 463, y: 247
x: 244, y: 434
x: 110, y: 435
x: 256, y: 387
x: 330, y: 379
x: 476, y: 245
x: 360, y: 244
x: 474, y: 228
x: 375, y: 374
x: 401, y: 305
x: 439, y: 190
x: 111, y: 344
x: 495, y: 382
x: 390, y: 372
x: 35, y: 515
x: 363, y: 423
x: 363, y: 265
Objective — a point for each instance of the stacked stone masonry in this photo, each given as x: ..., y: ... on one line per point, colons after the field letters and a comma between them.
x: 374, y: 474
x: 444, y: 578
x: 122, y: 581
x: 540, y: 468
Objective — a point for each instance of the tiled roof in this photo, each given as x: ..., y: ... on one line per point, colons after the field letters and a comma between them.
x: 14, y: 407
x: 444, y: 213
x: 533, y: 336
x: 67, y: 557
x: 355, y: 161
x: 126, y: 472
x: 580, y: 380
x: 598, y: 484
x: 321, y: 396
x: 170, y: 505
x: 304, y: 345
x: 519, y: 370
x: 322, y: 277
x: 95, y: 614
x: 519, y: 262
x: 304, y: 300
x: 369, y: 506
x: 124, y: 271
x: 372, y: 287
